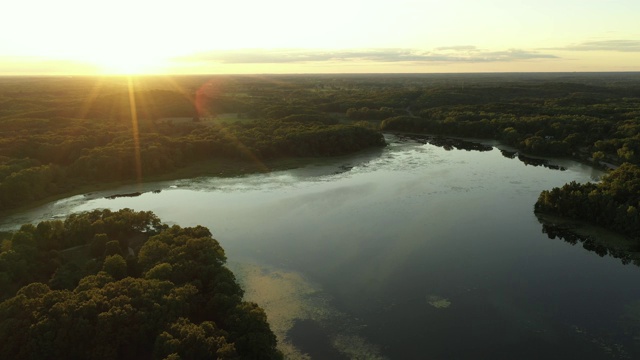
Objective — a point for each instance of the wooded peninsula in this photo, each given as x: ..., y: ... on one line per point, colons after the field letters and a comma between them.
x: 123, y: 285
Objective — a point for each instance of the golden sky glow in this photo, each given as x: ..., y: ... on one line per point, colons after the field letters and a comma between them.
x: 287, y: 36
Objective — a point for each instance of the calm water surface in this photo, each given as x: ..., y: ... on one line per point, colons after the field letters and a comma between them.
x: 411, y: 252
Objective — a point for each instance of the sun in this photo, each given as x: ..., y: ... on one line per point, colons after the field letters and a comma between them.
x: 129, y: 64
x: 124, y: 55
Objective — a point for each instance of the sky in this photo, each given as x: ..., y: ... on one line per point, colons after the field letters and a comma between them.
x: 87, y: 37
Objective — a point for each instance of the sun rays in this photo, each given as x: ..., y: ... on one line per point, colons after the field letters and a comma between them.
x: 200, y: 99
x: 135, y: 130
x: 131, y: 101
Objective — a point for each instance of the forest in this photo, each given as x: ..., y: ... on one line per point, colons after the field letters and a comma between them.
x: 59, y: 133
x: 123, y: 285
x: 54, y: 139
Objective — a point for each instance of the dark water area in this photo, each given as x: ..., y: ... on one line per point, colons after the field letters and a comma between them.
x: 427, y: 250
x: 313, y: 340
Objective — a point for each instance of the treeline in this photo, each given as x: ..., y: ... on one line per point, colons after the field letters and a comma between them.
x: 122, y: 285
x: 43, y: 157
x: 584, y: 136
x: 556, y: 119
x: 588, y: 116
x: 612, y: 203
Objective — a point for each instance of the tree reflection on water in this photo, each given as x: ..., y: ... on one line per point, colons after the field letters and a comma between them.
x: 530, y: 160
x: 573, y: 233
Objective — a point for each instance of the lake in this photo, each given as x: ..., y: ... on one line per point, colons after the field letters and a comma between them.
x: 420, y: 250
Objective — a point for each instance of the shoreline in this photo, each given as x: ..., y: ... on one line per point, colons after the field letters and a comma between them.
x: 222, y: 168
x: 603, y: 166
x: 218, y: 168
x: 226, y: 168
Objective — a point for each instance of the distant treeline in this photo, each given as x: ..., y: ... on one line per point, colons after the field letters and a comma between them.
x: 123, y: 285
x: 607, y: 130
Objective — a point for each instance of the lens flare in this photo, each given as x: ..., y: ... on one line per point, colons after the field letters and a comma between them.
x: 135, y: 131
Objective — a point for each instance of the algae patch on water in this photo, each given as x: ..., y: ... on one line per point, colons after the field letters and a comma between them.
x: 438, y: 302
x: 285, y: 296
x: 288, y: 298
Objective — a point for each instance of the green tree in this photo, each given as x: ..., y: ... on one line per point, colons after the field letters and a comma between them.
x: 116, y: 266
x: 112, y: 248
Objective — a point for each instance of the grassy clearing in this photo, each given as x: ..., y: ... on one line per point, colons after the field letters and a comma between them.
x: 78, y: 255
x: 228, y: 118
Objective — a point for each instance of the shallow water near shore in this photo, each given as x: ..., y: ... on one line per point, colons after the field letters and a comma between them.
x: 418, y: 251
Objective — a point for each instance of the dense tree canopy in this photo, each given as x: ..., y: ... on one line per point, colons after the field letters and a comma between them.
x: 34, y: 165
x: 611, y: 203
x: 178, y: 301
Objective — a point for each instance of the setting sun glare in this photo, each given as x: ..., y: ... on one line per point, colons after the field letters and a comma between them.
x: 127, y: 64
x: 333, y: 36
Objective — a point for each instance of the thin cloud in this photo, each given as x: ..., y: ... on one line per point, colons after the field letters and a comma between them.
x: 457, y: 48
x: 469, y: 54
x: 604, y: 45
x: 18, y: 65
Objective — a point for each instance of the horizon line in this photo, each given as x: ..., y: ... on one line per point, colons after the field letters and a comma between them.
x: 323, y: 73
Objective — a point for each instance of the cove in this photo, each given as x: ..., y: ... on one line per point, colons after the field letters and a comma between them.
x: 422, y: 250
